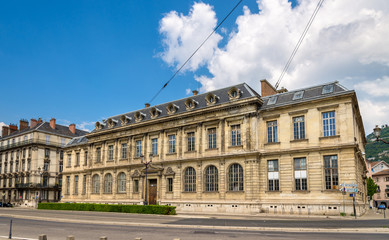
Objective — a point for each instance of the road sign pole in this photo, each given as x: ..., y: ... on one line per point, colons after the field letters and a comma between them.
x: 355, y: 213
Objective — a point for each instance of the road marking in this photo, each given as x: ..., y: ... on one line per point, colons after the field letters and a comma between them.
x: 6, y: 237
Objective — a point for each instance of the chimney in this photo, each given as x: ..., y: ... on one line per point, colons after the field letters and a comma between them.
x: 267, y: 89
x: 33, y: 122
x: 23, y: 124
x: 5, y: 131
x: 72, y: 128
x: 40, y: 120
x: 195, y: 92
x: 147, y: 105
x: 13, y: 128
x: 52, y: 123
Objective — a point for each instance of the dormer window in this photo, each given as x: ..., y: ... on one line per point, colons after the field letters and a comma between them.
x: 139, y: 116
x: 211, y: 99
x: 111, y: 122
x: 190, y: 104
x: 98, y: 125
x: 327, y: 89
x: 298, y: 95
x: 272, y: 100
x: 172, y: 108
x: 125, y: 119
x: 234, y: 93
x: 154, y: 112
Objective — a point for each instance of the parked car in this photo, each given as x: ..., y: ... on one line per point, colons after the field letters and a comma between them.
x: 8, y: 204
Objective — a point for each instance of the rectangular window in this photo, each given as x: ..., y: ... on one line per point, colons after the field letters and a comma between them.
x: 191, y: 141
x: 47, y: 139
x: 86, y: 158
x: 110, y: 152
x: 386, y: 179
x: 76, y: 184
x: 300, y: 173
x: 272, y: 135
x: 69, y: 160
x: 60, y: 167
x: 154, y: 146
x: 136, y: 186
x: 98, y: 154
x: 84, y: 185
x: 329, y: 124
x: 172, y: 143
x: 170, y: 184
x: 61, y: 155
x: 67, y: 184
x: 235, y: 135
x: 212, y: 138
x: 77, y: 159
x: 273, y: 176
x: 138, y: 151
x: 46, y: 166
x: 29, y: 152
x: 28, y: 165
x: 62, y: 142
x: 331, y: 171
x: 298, y: 128
x: 124, y: 150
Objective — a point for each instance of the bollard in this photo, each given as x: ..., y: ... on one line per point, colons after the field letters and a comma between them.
x: 103, y: 238
x: 42, y: 237
x: 70, y: 237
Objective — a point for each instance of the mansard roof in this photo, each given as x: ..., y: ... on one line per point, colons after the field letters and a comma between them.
x: 77, y: 141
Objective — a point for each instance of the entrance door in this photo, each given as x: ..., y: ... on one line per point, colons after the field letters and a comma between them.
x: 153, y: 192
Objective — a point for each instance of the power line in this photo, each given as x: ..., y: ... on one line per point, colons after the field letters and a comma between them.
x: 299, y: 42
x: 190, y: 57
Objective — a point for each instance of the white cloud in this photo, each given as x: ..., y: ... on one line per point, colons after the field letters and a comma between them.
x: 86, y: 126
x: 182, y: 35
x: 187, y: 91
x: 348, y: 41
x: 374, y: 113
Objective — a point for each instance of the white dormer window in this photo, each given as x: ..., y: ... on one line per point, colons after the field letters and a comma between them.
x: 98, y: 126
x: 190, y: 104
x: 327, y: 89
x: 125, y: 119
x: 172, y: 108
x: 112, y: 122
x: 155, y: 112
x: 139, y: 116
x: 234, y: 93
x: 272, y: 100
x: 211, y: 99
x: 298, y: 95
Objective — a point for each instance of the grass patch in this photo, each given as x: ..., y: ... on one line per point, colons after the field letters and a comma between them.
x: 342, y: 214
x: 149, y: 209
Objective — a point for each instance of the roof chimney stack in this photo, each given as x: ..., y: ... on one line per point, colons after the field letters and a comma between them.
x: 52, y: 123
x: 5, y: 131
x: 195, y: 92
x: 72, y: 128
x: 147, y: 105
x: 23, y: 124
x: 267, y: 89
x: 33, y: 122
x: 13, y: 128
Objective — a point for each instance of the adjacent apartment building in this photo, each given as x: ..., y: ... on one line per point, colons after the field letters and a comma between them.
x: 31, y: 161
x: 229, y: 150
x: 379, y: 172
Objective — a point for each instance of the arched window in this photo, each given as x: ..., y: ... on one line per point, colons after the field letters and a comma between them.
x: 108, y: 183
x: 122, y: 182
x: 211, y: 179
x: 96, y: 184
x: 190, y: 180
x: 235, y: 177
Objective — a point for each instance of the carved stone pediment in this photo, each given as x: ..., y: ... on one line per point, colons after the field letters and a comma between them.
x: 136, y: 174
x: 151, y: 169
x: 169, y: 172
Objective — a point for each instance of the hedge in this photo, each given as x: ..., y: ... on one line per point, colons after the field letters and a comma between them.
x: 149, y: 209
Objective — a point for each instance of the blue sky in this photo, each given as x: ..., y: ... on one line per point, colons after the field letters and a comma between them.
x: 81, y: 61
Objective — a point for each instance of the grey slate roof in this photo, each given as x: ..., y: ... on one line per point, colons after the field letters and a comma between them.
x: 77, y: 141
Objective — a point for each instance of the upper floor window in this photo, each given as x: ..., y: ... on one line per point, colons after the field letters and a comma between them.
x: 124, y: 150
x: 235, y: 178
x: 122, y: 182
x: 212, y: 138
x: 61, y: 155
x: 272, y: 135
x: 235, y: 135
x: 329, y: 124
x: 190, y: 180
x: 60, y: 167
x: 69, y: 160
x: 191, y: 141
x: 273, y: 176
x: 331, y: 171
x: 110, y: 152
x: 46, y: 166
x: 172, y: 143
x: 47, y: 139
x: 211, y: 179
x: 299, y: 128
x: 86, y: 158
x: 76, y: 184
x: 154, y: 146
x: 386, y: 179
x: 138, y: 149
x: 300, y: 173
x: 47, y: 153
x: 98, y: 154
x: 77, y: 159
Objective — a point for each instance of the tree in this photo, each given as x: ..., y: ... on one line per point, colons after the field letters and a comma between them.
x: 371, y: 187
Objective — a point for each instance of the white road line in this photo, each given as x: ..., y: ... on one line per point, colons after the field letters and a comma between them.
x: 21, y: 238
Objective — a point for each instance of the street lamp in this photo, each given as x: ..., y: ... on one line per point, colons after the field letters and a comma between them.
x: 377, y: 134
x: 146, y: 163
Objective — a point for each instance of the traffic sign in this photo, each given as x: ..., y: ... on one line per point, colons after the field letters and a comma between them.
x: 351, y: 189
x: 349, y: 185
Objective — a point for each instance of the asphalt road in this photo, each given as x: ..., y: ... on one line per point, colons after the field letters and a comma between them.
x: 31, y: 229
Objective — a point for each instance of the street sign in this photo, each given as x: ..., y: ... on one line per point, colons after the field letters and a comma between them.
x: 351, y: 189
x: 349, y: 185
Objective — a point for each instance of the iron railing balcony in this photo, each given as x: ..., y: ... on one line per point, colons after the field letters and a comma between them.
x: 30, y: 141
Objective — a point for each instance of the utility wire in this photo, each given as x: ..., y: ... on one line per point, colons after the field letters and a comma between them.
x: 299, y: 42
x: 190, y: 57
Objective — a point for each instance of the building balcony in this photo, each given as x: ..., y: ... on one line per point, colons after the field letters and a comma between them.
x: 27, y: 142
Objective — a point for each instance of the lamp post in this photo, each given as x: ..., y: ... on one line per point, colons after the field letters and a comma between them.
x: 146, y: 163
x: 40, y: 183
x: 377, y: 133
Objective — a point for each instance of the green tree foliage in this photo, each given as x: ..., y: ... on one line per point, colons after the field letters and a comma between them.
x: 371, y: 187
x: 373, y: 148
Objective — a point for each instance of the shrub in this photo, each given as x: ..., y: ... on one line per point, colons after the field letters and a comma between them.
x: 150, y: 209
x: 342, y: 214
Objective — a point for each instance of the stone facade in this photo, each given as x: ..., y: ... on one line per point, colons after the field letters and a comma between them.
x: 243, y: 154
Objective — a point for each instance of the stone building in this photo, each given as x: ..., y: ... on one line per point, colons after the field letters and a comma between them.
x: 31, y: 160
x: 379, y: 172
x: 229, y: 150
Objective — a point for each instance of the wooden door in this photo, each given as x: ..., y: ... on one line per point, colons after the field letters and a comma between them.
x: 153, y: 192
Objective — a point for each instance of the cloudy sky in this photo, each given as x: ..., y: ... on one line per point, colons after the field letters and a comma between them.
x: 85, y: 63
